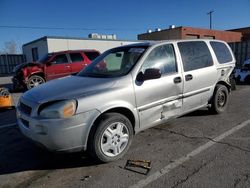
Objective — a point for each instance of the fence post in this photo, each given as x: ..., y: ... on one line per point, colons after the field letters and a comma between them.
x: 7, y: 63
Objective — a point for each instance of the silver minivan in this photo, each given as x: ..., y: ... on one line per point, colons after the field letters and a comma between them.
x: 124, y: 91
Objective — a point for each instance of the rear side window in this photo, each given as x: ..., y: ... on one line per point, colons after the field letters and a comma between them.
x: 222, y: 52
x: 92, y: 55
x: 195, y: 55
x: 76, y: 57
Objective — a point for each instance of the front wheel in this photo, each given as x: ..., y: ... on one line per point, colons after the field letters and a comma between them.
x: 111, y: 138
x: 220, y: 99
x: 34, y: 81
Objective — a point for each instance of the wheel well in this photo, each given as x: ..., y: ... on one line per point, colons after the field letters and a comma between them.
x: 121, y: 110
x: 39, y: 74
x: 126, y: 112
x: 228, y: 86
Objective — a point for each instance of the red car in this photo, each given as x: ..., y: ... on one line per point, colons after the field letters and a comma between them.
x: 53, y: 65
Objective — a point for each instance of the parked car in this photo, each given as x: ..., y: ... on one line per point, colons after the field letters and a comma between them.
x: 243, y: 74
x: 51, y: 66
x: 141, y: 85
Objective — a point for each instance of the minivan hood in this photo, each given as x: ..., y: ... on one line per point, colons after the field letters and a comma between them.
x: 68, y: 88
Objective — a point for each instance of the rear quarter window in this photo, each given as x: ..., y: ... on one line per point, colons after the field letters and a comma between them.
x: 222, y: 52
x: 195, y: 55
x: 76, y: 57
x: 92, y: 55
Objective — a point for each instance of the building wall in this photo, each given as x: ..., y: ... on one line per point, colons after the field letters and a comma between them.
x: 245, y: 33
x: 189, y: 32
x: 227, y: 36
x: 47, y: 45
x: 42, y: 48
x: 168, y: 34
x: 55, y: 45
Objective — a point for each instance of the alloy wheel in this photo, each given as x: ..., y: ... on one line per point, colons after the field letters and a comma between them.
x: 114, y: 139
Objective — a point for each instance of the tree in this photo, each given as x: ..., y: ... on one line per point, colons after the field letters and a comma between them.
x: 10, y: 47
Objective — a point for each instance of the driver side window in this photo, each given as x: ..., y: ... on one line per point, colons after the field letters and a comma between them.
x: 60, y: 59
x: 163, y: 58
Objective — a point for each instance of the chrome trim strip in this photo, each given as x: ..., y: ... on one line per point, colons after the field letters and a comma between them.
x: 195, y: 92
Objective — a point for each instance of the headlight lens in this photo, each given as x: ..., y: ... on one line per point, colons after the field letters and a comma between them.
x: 61, y: 109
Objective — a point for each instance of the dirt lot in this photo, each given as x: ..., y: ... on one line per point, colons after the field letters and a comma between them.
x: 197, y: 150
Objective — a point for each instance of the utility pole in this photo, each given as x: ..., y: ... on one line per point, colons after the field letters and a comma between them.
x: 210, y: 15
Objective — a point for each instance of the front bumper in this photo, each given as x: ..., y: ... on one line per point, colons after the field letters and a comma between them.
x: 60, y: 135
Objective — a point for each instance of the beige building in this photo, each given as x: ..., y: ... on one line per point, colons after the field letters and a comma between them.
x: 36, y: 49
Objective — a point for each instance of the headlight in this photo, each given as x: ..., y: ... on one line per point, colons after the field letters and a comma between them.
x: 61, y: 109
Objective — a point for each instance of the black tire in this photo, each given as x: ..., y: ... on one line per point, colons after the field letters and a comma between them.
x: 220, y: 99
x: 233, y: 84
x: 34, y: 81
x: 247, y: 79
x: 97, y: 137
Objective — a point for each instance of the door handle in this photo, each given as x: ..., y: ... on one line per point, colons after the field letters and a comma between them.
x: 188, y: 77
x: 222, y: 72
x: 177, y: 80
x: 67, y: 66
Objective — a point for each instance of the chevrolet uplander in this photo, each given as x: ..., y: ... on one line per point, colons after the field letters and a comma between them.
x: 124, y: 91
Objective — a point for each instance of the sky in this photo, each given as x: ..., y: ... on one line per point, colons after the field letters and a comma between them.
x: 125, y: 18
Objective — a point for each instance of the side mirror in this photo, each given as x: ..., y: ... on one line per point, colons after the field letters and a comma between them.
x: 149, y: 74
x: 118, y: 55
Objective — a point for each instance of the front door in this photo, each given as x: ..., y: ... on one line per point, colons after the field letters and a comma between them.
x: 59, y: 67
x: 159, y: 99
x: 200, y: 74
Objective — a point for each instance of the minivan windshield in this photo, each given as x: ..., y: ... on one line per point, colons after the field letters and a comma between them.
x: 115, y: 62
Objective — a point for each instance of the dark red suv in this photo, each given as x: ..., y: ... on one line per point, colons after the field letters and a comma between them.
x: 53, y: 65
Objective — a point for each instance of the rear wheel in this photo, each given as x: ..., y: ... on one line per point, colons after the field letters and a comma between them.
x: 111, y: 138
x: 34, y: 81
x: 220, y: 99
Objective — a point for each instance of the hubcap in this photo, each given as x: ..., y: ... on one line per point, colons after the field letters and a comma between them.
x: 114, y: 139
x: 221, y: 99
x: 35, y: 82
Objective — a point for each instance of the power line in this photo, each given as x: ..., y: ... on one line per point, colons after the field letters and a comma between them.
x: 66, y: 28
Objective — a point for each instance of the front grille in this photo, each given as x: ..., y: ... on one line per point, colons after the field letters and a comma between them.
x: 25, y: 123
x: 25, y: 108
